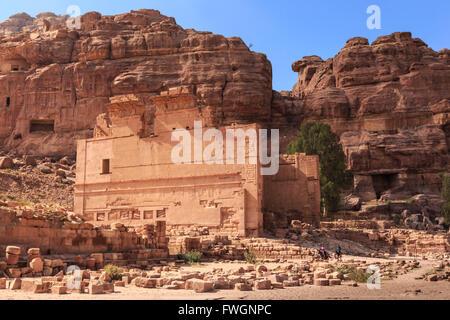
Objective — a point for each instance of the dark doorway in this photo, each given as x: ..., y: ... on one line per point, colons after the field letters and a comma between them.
x: 42, y: 126
x: 106, y: 166
x: 382, y: 183
x: 8, y: 101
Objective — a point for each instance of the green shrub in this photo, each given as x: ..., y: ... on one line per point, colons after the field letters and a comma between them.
x: 353, y: 273
x: 193, y: 257
x: 446, y: 187
x: 345, y: 269
x: 114, y: 272
x: 359, y: 275
x: 445, y: 211
x: 250, y: 257
x: 23, y: 202
x: 398, y: 219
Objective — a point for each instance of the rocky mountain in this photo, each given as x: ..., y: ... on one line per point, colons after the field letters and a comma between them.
x: 54, y: 81
x: 388, y: 100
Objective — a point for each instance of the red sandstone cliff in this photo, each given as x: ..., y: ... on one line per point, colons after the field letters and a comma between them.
x: 54, y: 81
x: 388, y: 101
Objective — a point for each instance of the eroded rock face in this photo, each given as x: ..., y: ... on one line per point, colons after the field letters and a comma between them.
x: 55, y: 81
x: 396, y: 76
x: 388, y: 101
x: 395, y: 73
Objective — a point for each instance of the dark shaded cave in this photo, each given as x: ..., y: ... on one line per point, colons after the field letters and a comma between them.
x: 382, y: 183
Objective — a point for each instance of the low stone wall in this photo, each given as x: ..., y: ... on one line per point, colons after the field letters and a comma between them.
x: 54, y: 237
x: 401, y: 241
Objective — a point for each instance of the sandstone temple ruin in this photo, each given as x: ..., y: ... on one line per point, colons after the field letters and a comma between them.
x: 125, y: 174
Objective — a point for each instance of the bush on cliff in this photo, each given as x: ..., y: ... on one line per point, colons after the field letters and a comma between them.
x: 114, y: 272
x: 193, y: 257
x: 316, y: 138
x: 250, y: 257
x: 445, y: 209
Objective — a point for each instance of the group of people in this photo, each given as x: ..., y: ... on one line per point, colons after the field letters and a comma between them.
x: 324, y: 254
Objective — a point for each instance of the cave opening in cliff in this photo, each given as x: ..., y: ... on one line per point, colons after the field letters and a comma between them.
x: 8, y: 101
x: 42, y: 126
x: 382, y: 183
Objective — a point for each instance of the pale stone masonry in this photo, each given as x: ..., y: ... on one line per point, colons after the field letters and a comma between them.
x: 126, y: 174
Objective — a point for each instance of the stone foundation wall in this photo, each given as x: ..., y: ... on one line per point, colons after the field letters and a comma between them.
x: 64, y: 237
x: 401, y: 241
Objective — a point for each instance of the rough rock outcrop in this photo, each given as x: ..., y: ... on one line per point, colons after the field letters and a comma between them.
x: 54, y: 81
x: 388, y: 101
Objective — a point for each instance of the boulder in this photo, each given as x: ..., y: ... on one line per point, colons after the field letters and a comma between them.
x: 263, y: 284
x: 6, y: 163
x: 29, y: 160
x: 142, y: 282
x: 13, y: 250
x: 37, y: 265
x: 202, y: 286
x: 59, y: 289
x: 352, y: 202
x: 12, y: 259
x: 34, y: 252
x: 243, y: 287
x: 45, y: 169
x: 15, y: 284
x: 321, y: 282
x: 96, y: 287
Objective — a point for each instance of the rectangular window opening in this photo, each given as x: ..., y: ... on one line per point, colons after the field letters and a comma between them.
x: 106, y: 166
x: 42, y: 126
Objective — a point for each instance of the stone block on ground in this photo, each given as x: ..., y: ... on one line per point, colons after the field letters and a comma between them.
x: 202, y: 286
x: 95, y: 288
x: 12, y: 259
x: 58, y: 289
x: 108, y: 288
x: 142, y: 282
x: 37, y: 265
x: 6, y: 163
x: 290, y: 283
x: 243, y: 287
x: 15, y: 284
x: 335, y: 282
x: 263, y: 284
x: 321, y: 282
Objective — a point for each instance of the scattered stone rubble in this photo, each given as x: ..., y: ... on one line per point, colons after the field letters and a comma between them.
x: 50, y: 276
x: 33, y: 180
x: 439, y: 273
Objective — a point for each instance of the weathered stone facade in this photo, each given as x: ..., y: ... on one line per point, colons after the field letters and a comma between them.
x: 126, y: 174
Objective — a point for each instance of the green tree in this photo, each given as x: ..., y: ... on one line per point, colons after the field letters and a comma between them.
x: 316, y: 138
x: 445, y: 209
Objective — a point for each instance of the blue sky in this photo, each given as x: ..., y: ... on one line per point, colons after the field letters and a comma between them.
x: 285, y: 30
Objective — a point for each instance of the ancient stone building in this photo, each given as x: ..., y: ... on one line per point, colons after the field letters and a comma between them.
x: 126, y: 173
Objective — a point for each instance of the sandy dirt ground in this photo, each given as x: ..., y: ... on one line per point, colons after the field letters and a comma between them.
x: 405, y: 287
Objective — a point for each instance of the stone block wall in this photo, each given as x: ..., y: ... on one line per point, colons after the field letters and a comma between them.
x: 62, y: 237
